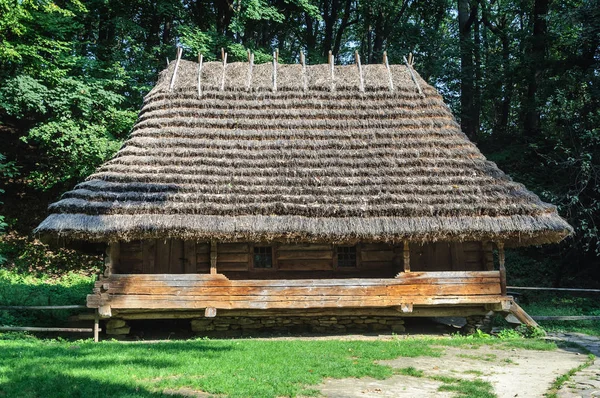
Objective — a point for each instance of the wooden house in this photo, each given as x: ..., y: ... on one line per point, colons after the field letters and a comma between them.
x: 300, y: 189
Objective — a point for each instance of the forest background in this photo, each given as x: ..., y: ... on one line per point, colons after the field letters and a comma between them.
x: 522, y: 77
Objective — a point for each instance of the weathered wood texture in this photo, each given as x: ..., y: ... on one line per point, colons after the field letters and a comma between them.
x: 202, y: 291
x: 293, y: 261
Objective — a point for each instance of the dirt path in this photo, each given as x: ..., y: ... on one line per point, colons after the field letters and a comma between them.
x: 512, y: 373
x: 585, y: 383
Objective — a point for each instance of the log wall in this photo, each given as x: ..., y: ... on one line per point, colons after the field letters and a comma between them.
x: 297, y: 261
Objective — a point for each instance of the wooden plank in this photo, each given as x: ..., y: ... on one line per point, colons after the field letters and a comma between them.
x: 304, y: 292
x: 406, y: 259
x: 457, y: 255
x: 233, y: 248
x: 305, y: 247
x: 175, y: 302
x: 305, y: 255
x: 176, y: 258
x: 163, y: 252
x: 232, y: 258
x: 522, y: 316
x: 189, y: 257
x: 227, y: 267
x: 488, y: 256
x: 305, y: 265
x: 149, y: 256
x: 203, y: 247
x: 567, y: 318
x: 44, y: 329
x: 367, y: 256
x: 213, y: 257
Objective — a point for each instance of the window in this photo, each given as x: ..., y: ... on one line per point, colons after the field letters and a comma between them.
x: 263, y: 257
x: 346, y: 256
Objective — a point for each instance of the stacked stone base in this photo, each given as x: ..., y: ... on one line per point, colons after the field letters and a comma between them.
x: 320, y: 324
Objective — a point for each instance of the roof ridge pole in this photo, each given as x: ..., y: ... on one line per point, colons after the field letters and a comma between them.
x: 224, y: 55
x: 275, y: 57
x: 357, y: 59
x: 387, y: 66
x: 303, y: 62
x: 414, y: 78
x: 200, y: 59
x: 179, y: 52
x: 330, y: 59
x: 250, y: 66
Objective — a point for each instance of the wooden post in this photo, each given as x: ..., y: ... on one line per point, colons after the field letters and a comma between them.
x: 224, y: 66
x: 360, y: 74
x: 275, y: 56
x: 213, y: 257
x: 331, y: 67
x: 303, y: 62
x: 387, y: 66
x: 200, y: 59
x: 96, y: 325
x: 502, y: 267
x: 412, y: 75
x: 179, y: 52
x: 406, y: 256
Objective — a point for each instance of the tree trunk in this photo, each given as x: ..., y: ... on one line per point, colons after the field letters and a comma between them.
x: 466, y: 15
x: 537, y: 64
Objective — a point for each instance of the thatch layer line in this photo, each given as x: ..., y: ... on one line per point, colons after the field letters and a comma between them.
x: 514, y: 230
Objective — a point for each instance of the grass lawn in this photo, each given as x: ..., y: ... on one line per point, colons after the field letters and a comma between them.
x: 236, y: 368
x: 554, y: 304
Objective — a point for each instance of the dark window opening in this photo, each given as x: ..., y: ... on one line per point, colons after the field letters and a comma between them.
x: 346, y: 256
x: 263, y: 257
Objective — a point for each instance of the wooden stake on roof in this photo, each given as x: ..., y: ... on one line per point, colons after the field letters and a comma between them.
x: 200, y: 59
x: 387, y: 66
x: 277, y: 55
x: 224, y: 66
x: 274, y: 71
x: 414, y: 78
x: 250, y: 67
x: 179, y: 52
x: 303, y: 63
x: 410, y: 59
x: 357, y: 59
x: 330, y: 59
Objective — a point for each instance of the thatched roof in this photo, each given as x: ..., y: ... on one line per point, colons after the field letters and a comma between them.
x: 320, y: 158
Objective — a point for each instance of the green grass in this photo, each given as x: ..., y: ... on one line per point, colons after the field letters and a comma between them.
x: 468, y: 388
x: 561, y: 380
x: 236, y: 368
x: 564, y: 303
x: 20, y: 288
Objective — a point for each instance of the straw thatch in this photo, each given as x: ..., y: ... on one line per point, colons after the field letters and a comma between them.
x: 314, y: 159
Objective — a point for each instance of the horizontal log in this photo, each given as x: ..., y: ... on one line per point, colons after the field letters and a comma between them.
x: 377, y: 256
x: 232, y: 266
x: 232, y: 258
x: 375, y: 247
x: 304, y: 255
x: 40, y: 329
x: 264, y: 292
x: 171, y: 302
x: 41, y: 307
x: 307, y: 247
x: 567, y: 318
x: 305, y: 265
x: 232, y: 248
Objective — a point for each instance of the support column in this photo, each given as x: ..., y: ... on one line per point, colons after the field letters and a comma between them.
x: 501, y: 259
x: 406, y: 256
x: 213, y: 257
x: 111, y: 260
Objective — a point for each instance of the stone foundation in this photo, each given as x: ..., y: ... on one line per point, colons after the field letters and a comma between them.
x: 320, y: 324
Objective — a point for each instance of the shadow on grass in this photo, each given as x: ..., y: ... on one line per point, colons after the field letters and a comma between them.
x: 50, y: 369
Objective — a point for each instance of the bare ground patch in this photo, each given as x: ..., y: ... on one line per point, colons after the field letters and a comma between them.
x: 511, y: 372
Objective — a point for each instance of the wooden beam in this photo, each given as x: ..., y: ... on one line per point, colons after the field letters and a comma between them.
x: 406, y: 256
x: 213, y: 257
x: 40, y: 329
x: 501, y: 260
x: 111, y: 260
x: 522, y: 316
